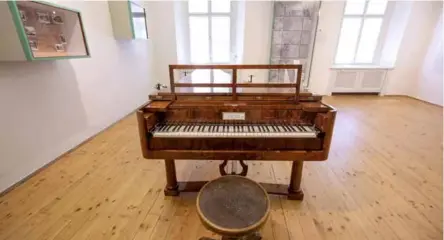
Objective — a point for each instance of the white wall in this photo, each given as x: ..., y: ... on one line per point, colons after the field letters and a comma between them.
x: 49, y: 107
x: 257, y: 37
x: 181, y: 27
x: 162, y: 32
x: 329, y: 26
x: 405, y: 78
x: 429, y: 84
x: 396, y: 27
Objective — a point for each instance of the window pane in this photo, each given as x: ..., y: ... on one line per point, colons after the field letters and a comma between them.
x: 140, y: 27
x: 376, y: 7
x: 201, y: 76
x: 348, y: 40
x: 355, y: 7
x: 220, y: 6
x: 198, y: 6
x: 221, y: 76
x: 220, y: 39
x: 199, y: 44
x: 369, y: 40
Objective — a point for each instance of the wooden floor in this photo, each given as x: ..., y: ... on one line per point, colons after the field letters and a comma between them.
x: 383, y: 180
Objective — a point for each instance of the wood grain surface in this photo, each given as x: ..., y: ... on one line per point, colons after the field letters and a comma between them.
x: 383, y: 180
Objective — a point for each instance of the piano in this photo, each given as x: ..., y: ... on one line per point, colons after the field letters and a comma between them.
x: 214, y: 112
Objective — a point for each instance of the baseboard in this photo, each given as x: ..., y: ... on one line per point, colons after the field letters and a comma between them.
x: 417, y: 99
x: 424, y: 101
x: 355, y: 93
x: 20, y: 182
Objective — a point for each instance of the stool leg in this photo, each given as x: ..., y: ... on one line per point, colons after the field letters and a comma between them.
x: 294, y: 190
x: 171, y: 189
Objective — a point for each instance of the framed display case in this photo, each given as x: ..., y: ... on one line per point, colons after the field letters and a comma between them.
x: 128, y: 19
x: 36, y: 30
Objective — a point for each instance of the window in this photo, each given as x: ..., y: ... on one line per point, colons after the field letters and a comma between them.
x: 138, y: 19
x: 209, y: 31
x: 360, y: 32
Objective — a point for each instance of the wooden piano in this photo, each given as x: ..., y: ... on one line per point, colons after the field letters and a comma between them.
x: 213, y: 113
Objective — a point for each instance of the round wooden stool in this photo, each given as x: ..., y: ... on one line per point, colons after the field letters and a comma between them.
x: 234, y: 207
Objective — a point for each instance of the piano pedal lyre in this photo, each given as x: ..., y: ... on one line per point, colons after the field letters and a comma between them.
x: 233, y: 168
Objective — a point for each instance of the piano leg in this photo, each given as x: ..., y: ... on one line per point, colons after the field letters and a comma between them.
x: 294, y: 189
x: 172, y: 188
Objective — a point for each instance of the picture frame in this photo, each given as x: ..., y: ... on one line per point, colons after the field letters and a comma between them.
x: 30, y: 31
x: 57, y: 19
x: 43, y: 17
x: 59, y: 47
x: 62, y: 38
x: 34, y: 45
x: 23, y: 16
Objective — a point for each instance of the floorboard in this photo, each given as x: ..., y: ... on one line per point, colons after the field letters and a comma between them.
x: 383, y: 180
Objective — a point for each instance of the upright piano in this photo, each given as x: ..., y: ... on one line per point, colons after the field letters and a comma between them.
x: 224, y: 112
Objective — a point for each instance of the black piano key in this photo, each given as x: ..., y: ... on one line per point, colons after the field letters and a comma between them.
x: 274, y: 127
x: 287, y: 127
x: 305, y: 129
x: 283, y: 127
x: 300, y: 129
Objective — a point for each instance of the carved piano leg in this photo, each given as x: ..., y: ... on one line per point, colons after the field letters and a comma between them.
x: 294, y: 190
x: 172, y: 188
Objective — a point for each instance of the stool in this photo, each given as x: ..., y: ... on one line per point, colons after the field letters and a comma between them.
x: 233, y: 206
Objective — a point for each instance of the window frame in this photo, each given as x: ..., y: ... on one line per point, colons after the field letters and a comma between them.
x: 231, y: 15
x: 138, y: 15
x: 382, y: 33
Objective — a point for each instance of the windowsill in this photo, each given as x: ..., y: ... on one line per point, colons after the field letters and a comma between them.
x: 357, y: 66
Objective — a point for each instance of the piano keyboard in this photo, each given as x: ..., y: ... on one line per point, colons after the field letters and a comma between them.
x: 234, y: 131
